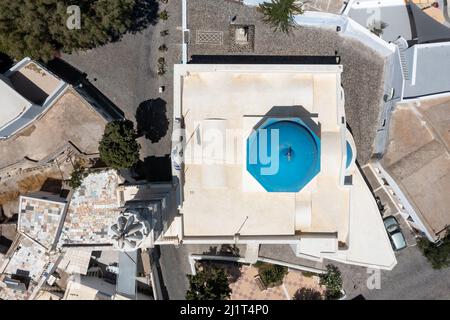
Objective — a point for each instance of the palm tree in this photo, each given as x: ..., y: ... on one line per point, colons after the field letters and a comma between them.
x: 280, y: 13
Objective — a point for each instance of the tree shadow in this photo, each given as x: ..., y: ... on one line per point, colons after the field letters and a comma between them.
x: 152, y: 120
x: 145, y: 13
x: 225, y: 250
x: 6, y: 62
x: 153, y: 169
x: 231, y: 268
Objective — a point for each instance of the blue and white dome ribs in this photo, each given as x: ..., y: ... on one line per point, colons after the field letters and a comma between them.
x: 129, y: 231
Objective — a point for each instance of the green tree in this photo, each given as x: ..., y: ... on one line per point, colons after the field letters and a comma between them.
x: 208, y: 284
x: 437, y: 254
x: 332, y: 280
x: 271, y: 274
x: 76, y: 178
x: 280, y: 13
x: 38, y: 28
x: 307, y: 294
x: 118, y: 147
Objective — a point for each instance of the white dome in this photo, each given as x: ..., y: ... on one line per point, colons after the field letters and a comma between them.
x: 129, y: 231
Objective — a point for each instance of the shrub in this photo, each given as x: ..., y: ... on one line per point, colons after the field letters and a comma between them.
x: 271, y: 274
x: 308, y: 274
x: 76, y: 177
x: 332, y: 280
x: 437, y: 255
x: 208, y: 284
x: 162, y: 48
x: 164, y: 15
x: 161, y: 66
x: 118, y: 147
x: 307, y: 294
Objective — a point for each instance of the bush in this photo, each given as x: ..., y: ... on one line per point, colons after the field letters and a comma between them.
x: 307, y: 294
x: 308, y: 274
x: 76, y: 178
x: 164, y: 15
x: 208, y: 284
x: 271, y: 274
x: 437, y: 255
x: 118, y: 147
x: 161, y: 66
x: 332, y: 280
x: 162, y: 48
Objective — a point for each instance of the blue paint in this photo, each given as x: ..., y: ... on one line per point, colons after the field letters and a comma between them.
x: 297, y: 155
x: 349, y: 155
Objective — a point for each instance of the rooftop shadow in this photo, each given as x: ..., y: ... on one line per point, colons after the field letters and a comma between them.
x: 154, y: 169
x: 28, y: 89
x: 292, y: 112
x: 53, y: 186
x: 84, y: 87
x: 263, y: 59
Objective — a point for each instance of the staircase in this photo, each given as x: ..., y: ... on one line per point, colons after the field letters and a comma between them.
x: 402, y: 45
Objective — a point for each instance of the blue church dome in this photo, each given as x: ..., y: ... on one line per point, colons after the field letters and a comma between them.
x: 283, y: 155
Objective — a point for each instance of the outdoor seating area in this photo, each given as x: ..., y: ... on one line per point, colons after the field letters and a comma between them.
x: 250, y: 286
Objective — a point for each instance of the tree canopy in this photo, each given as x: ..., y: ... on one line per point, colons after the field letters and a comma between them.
x: 271, y: 274
x: 118, y: 147
x: 332, y: 280
x: 208, y: 284
x: 437, y: 254
x: 76, y: 178
x: 38, y: 28
x: 307, y: 294
x: 280, y: 13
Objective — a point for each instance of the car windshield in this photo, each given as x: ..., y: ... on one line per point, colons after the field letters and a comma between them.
x: 390, y: 223
x: 398, y: 240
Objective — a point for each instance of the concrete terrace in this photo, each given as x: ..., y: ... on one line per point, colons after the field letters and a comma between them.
x: 417, y: 159
x: 363, y: 71
x: 93, y: 208
x: 70, y: 119
x: 40, y: 218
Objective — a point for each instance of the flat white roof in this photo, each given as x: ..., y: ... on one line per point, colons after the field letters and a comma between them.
x: 325, y: 214
x: 233, y: 98
x: 12, y: 104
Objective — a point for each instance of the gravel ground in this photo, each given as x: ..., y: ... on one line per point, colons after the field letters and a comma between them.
x: 125, y: 71
x: 412, y: 278
x: 363, y: 68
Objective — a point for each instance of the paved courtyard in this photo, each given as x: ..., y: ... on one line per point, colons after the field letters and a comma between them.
x: 246, y: 288
x: 411, y: 278
x: 126, y: 72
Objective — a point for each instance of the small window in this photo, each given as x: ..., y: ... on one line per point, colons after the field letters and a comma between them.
x: 348, y: 180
